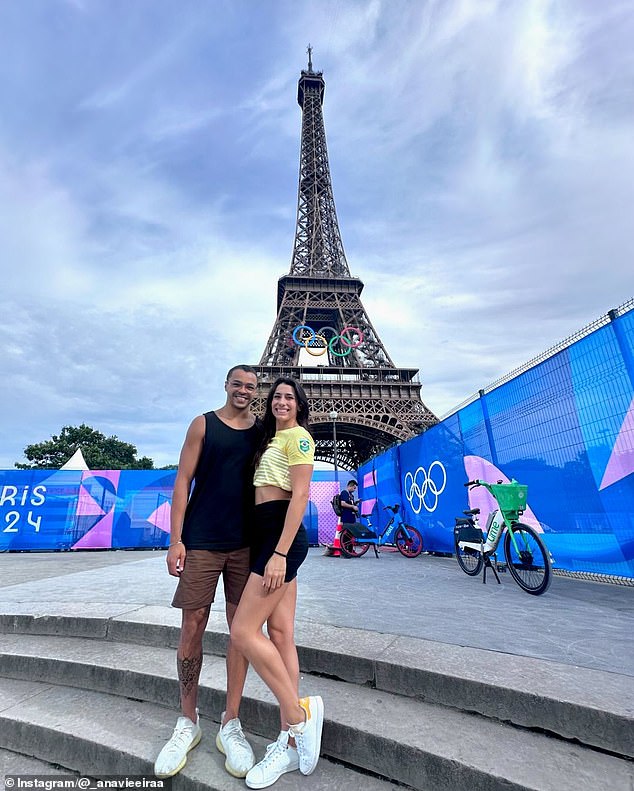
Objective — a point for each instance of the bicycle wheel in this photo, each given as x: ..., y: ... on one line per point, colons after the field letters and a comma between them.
x: 469, y: 560
x: 410, y: 546
x: 531, y: 568
x: 350, y: 547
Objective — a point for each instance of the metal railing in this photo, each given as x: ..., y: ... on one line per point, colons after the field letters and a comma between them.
x: 268, y: 373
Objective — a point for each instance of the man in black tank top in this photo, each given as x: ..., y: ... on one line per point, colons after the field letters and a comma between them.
x: 208, y: 537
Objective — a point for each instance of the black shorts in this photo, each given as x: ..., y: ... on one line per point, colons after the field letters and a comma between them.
x: 267, y: 529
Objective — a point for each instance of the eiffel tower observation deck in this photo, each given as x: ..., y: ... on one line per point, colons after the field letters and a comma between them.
x: 322, y: 335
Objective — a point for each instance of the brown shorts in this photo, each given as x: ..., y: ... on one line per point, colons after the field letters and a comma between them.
x: 199, y: 579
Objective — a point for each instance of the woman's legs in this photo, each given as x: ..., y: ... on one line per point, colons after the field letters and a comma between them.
x: 281, y: 629
x: 255, y: 608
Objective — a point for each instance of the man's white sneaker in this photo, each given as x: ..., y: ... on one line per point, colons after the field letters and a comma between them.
x: 173, y: 756
x: 308, y: 734
x: 232, y: 743
x: 279, y: 758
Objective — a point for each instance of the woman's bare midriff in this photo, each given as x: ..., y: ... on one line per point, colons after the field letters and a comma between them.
x: 265, y: 494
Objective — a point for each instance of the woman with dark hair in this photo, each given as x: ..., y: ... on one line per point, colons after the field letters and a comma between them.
x: 283, y: 469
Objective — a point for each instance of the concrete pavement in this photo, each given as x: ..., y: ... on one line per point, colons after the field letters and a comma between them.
x: 420, y: 664
x: 580, y: 623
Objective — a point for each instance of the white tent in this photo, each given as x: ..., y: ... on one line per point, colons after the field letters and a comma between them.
x: 76, y: 462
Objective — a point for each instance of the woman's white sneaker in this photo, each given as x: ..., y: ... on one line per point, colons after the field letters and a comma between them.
x: 279, y: 759
x: 307, y: 734
x: 232, y: 742
x: 173, y: 756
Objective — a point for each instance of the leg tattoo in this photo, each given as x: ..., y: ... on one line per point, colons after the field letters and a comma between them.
x: 188, y: 673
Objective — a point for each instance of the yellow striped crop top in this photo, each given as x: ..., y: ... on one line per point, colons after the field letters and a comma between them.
x: 288, y: 448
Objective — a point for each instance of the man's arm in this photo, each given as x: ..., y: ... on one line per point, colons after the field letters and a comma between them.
x: 190, y: 454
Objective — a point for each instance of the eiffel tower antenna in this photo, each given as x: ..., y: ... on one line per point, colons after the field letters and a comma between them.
x: 322, y: 335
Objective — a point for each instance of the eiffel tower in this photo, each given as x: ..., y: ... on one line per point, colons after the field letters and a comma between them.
x: 322, y: 336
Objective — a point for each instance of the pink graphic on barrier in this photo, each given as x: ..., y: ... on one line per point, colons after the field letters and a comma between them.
x: 621, y: 461
x: 108, y: 475
x: 98, y: 537
x: 478, y: 468
x: 87, y: 505
x: 367, y: 506
x: 321, y: 494
x: 368, y: 480
x: 161, y: 517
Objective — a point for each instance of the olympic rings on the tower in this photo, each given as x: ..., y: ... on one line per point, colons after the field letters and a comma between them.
x: 316, y: 343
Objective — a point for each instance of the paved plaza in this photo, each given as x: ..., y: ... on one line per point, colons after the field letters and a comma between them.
x: 577, y: 622
x: 460, y: 662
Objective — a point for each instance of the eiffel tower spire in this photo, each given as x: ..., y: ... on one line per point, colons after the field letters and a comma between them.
x: 318, y: 249
x: 322, y: 335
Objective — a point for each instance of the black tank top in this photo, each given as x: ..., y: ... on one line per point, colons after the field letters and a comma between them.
x: 221, y: 502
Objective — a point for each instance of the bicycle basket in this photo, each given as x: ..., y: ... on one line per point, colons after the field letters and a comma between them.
x: 511, y: 497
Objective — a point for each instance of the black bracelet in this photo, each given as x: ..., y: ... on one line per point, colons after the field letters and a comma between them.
x: 281, y: 554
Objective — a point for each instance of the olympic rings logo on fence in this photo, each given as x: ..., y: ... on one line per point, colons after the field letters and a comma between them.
x: 316, y: 343
x: 425, y: 484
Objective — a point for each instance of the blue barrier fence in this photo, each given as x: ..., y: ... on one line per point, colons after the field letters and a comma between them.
x: 45, y: 510
x: 564, y: 426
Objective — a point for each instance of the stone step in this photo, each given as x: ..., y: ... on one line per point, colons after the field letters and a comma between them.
x: 16, y: 764
x: 96, y: 734
x: 593, y: 707
x: 409, y: 741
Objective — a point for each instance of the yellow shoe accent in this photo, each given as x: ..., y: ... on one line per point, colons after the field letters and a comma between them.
x: 305, y: 704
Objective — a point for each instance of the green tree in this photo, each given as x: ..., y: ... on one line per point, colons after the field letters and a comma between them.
x: 99, y: 451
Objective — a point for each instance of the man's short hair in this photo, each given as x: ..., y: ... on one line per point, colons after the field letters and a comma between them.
x: 352, y: 483
x: 248, y: 369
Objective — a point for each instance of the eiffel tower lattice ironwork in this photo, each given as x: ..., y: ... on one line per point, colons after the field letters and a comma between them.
x: 322, y: 335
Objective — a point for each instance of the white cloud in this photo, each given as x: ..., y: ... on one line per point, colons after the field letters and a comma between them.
x: 483, y: 168
x: 41, y: 229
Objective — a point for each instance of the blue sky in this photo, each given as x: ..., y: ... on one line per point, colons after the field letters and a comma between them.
x: 482, y: 156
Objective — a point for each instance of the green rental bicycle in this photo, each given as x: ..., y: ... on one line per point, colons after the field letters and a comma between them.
x: 525, y: 553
